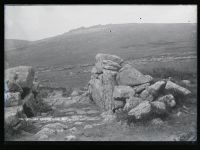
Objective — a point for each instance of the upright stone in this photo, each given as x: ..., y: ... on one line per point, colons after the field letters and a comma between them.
x: 22, y: 75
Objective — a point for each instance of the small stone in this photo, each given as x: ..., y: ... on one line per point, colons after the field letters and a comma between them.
x: 186, y: 82
x: 74, y: 93
x: 70, y: 138
x: 157, y: 122
x: 88, y: 126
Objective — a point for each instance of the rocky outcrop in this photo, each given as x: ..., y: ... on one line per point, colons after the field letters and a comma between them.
x: 21, y: 95
x: 115, y: 87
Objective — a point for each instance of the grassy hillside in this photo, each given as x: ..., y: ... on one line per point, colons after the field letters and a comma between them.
x: 12, y: 44
x: 129, y: 41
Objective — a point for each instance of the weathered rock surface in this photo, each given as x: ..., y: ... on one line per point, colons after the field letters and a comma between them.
x: 140, y: 88
x: 11, y: 118
x: 152, y: 91
x: 29, y: 105
x: 131, y: 103
x: 157, y: 122
x: 23, y: 75
x: 74, y: 93
x: 13, y: 99
x: 176, y: 89
x: 128, y: 75
x: 13, y: 87
x: 119, y: 104
x: 101, y: 89
x: 141, y: 111
x: 123, y: 91
x: 159, y: 108
x: 186, y: 82
x: 169, y: 100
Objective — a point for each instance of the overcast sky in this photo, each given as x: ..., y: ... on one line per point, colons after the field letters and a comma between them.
x: 41, y: 21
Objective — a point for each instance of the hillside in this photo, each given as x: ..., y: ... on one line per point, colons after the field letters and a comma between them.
x: 129, y: 41
x: 12, y: 44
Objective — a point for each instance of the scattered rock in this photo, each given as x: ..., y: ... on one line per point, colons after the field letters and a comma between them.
x: 157, y: 122
x: 70, y: 137
x: 73, y: 130
x: 88, y: 126
x: 128, y: 75
x: 55, y: 126
x: 74, y: 93
x: 176, y: 89
x: 45, y: 133
x: 142, y: 110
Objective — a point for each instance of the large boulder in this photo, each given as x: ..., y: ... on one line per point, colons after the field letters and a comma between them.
x: 123, y: 91
x: 152, y: 91
x: 141, y: 111
x: 12, y: 99
x: 169, y: 100
x: 22, y: 75
x: 176, y: 89
x: 128, y: 75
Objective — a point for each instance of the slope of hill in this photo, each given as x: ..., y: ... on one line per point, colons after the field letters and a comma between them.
x: 12, y: 44
x: 129, y: 41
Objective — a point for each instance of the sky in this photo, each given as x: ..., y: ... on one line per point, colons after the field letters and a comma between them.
x: 35, y: 22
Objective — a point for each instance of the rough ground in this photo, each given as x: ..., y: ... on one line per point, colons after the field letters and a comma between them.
x: 73, y: 120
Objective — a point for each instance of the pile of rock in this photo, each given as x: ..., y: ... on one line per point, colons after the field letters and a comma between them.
x: 114, y: 87
x: 20, y: 95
